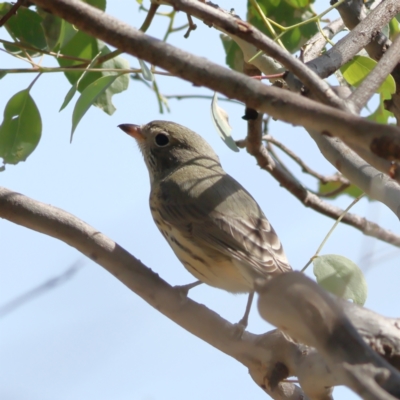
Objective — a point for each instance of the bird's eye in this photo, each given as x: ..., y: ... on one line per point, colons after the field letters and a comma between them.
x: 161, y: 139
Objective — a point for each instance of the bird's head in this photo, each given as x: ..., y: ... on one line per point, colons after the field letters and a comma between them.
x: 167, y: 146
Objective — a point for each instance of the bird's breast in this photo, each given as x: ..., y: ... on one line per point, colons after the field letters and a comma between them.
x: 207, y: 265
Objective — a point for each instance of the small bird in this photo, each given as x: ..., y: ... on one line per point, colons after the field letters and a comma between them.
x: 214, y: 226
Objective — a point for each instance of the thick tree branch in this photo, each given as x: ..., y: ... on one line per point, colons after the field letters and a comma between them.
x: 352, y: 13
x: 360, y: 37
x: 313, y: 48
x: 341, y: 154
x: 264, y: 355
x: 255, y: 147
x: 283, y: 105
x: 351, y: 165
x: 237, y: 28
x: 193, y: 317
x: 307, y: 313
x: 370, y: 85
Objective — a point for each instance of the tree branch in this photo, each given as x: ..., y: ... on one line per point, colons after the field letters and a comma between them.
x: 370, y: 85
x: 354, y: 13
x: 304, y: 167
x: 313, y: 48
x: 237, y: 28
x: 283, y: 105
x: 360, y: 36
x: 307, y: 313
x: 261, y: 354
x: 254, y: 146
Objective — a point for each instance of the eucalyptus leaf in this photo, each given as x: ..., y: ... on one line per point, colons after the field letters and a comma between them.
x: 220, y: 120
x: 341, y: 276
x: 88, y: 97
x: 21, y: 128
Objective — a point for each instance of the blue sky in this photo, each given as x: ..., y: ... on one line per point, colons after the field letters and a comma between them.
x: 91, y: 338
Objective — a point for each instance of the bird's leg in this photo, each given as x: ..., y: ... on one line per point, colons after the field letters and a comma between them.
x: 184, y: 289
x: 245, y: 320
x: 241, y: 326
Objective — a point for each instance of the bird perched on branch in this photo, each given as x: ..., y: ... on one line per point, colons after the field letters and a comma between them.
x: 214, y: 226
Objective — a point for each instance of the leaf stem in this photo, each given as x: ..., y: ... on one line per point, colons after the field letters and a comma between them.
x: 267, y: 22
x: 331, y: 230
x: 34, y: 81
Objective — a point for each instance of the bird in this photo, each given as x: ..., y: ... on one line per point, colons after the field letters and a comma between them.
x: 214, y: 226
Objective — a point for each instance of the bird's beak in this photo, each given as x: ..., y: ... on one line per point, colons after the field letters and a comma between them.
x: 133, y: 130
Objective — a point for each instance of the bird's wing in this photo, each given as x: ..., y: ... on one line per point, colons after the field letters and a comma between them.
x: 249, y: 240
x: 246, y: 236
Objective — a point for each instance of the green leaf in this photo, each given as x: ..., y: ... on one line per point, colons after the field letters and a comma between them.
x: 352, y: 190
x: 26, y: 26
x: 294, y: 37
x: 380, y: 115
x: 52, y: 28
x: 394, y: 28
x: 104, y: 101
x: 74, y: 87
x: 285, y: 13
x: 82, y: 46
x: 68, y: 31
x: 88, y: 97
x: 356, y: 70
x: 234, y: 56
x: 21, y: 128
x: 220, y: 120
x: 275, y: 3
x: 87, y: 47
x: 100, y: 4
x: 341, y: 276
x: 298, y: 3
x: 147, y: 74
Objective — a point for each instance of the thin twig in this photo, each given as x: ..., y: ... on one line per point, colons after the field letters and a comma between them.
x: 13, y: 10
x: 50, y: 53
x: 43, y: 288
x: 200, y: 96
x: 149, y: 17
x: 305, y: 168
x: 327, y: 236
x: 192, y: 26
x: 264, y: 160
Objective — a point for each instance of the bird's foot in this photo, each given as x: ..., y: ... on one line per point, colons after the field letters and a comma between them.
x: 239, y: 328
x: 184, y: 289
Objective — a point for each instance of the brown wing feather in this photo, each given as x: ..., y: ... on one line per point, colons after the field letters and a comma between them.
x: 249, y: 240
x: 216, y: 212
